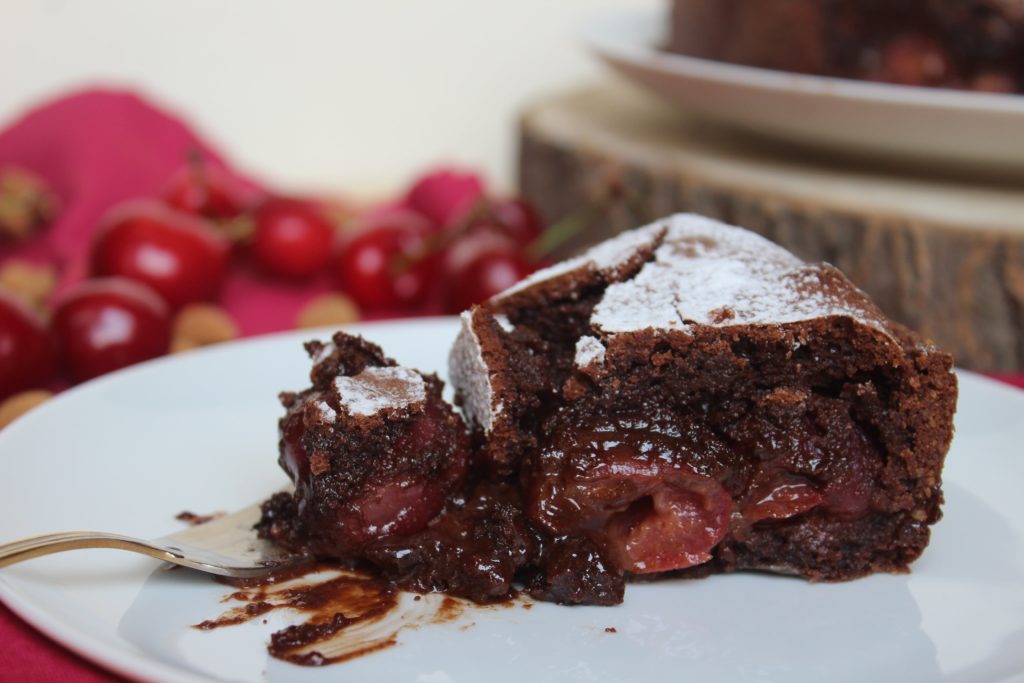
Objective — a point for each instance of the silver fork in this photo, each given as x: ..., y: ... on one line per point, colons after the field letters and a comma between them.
x: 227, y: 546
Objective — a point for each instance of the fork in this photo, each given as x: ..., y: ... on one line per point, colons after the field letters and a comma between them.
x: 226, y: 546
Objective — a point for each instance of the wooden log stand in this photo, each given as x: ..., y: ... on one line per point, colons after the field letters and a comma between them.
x: 940, y: 251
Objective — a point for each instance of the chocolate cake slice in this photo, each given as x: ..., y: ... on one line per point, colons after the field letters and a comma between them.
x: 689, y: 396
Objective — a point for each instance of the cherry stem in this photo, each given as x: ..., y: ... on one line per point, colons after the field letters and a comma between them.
x: 574, y: 223
x: 440, y: 241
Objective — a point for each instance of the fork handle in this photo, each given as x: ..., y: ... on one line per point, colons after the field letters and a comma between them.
x: 37, y: 546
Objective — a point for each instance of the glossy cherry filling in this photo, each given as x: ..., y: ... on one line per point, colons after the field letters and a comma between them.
x: 659, y: 492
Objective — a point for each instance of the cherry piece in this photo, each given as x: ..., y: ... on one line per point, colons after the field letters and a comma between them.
x: 205, y: 190
x: 674, y: 527
x: 994, y: 82
x: 174, y: 253
x: 913, y: 59
x: 777, y: 495
x: 445, y: 195
x: 27, y: 354
x: 485, y: 275
x: 851, y: 477
x: 386, y: 265
x: 292, y: 238
x: 106, y: 324
x: 647, y: 490
x: 516, y: 218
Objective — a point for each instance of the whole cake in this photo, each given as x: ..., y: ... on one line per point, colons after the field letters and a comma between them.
x: 686, y: 397
x: 971, y: 44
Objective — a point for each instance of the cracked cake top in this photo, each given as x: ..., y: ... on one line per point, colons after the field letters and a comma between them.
x: 677, y: 275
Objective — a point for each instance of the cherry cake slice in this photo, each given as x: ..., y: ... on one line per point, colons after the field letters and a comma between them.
x: 689, y: 397
x: 684, y: 398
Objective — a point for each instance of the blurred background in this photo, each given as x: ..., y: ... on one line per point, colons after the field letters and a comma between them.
x: 321, y: 94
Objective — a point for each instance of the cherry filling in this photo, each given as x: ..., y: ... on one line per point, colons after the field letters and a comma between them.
x: 659, y: 492
x: 650, y: 493
x: 673, y: 527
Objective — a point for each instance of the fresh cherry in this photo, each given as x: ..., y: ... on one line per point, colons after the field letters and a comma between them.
x: 517, y: 218
x: 175, y: 253
x: 27, y: 355
x: 292, y: 238
x: 106, y: 324
x: 205, y: 190
x: 445, y: 195
x: 488, y: 273
x: 386, y: 266
x: 483, y: 237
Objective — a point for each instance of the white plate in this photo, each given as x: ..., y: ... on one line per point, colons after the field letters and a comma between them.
x: 129, y: 451
x: 872, y: 118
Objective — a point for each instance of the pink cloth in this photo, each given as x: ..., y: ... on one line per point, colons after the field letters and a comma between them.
x: 97, y: 148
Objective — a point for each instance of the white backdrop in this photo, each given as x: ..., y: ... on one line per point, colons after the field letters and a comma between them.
x: 325, y: 94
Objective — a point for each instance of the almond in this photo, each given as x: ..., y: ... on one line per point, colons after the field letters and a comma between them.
x: 17, y: 405
x: 32, y: 282
x: 328, y: 310
x: 201, y: 325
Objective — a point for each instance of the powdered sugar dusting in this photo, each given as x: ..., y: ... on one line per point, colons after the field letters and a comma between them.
x: 325, y: 412
x: 469, y: 372
x: 708, y: 273
x: 504, y: 323
x: 589, y: 350
x: 605, y: 256
x: 324, y: 353
x: 376, y: 389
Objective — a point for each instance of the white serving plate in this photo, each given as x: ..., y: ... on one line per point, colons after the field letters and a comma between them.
x: 926, y: 124
x: 127, y: 452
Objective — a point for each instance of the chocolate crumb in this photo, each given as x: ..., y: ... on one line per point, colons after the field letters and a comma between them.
x: 193, y: 519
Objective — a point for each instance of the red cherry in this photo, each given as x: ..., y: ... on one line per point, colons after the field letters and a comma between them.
x: 176, y: 254
x: 445, y: 195
x: 383, y: 267
x: 468, y: 246
x: 27, y: 355
x: 106, y: 324
x: 489, y: 273
x: 517, y: 218
x: 292, y: 238
x: 205, y: 190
